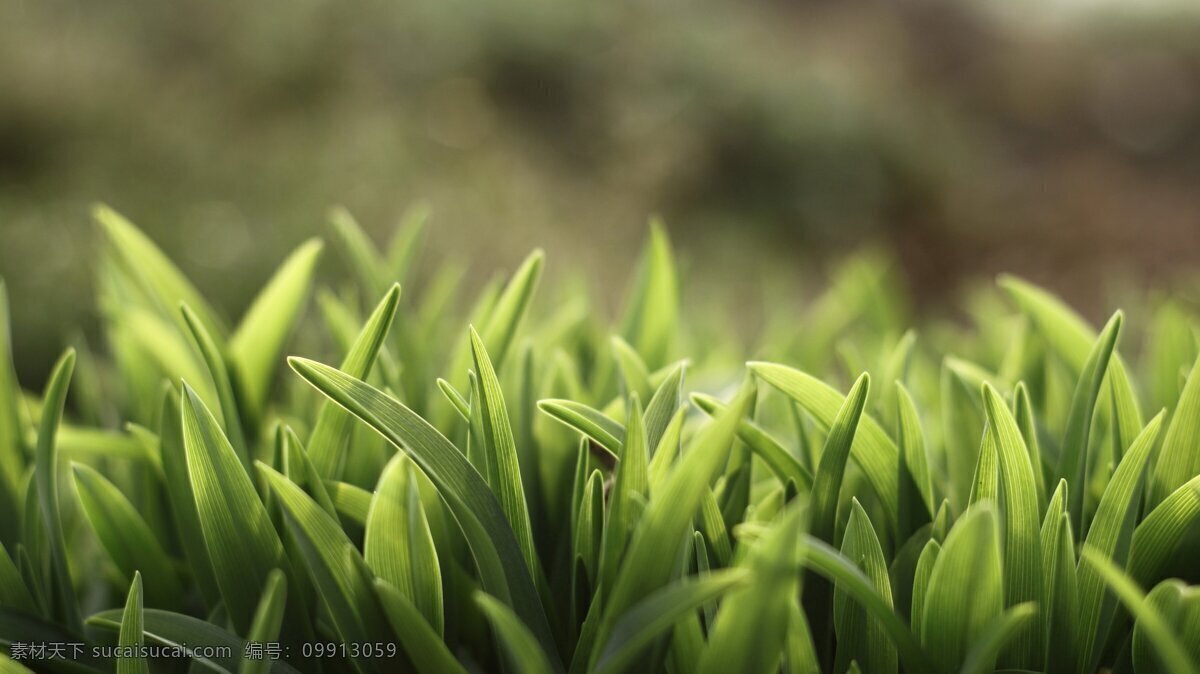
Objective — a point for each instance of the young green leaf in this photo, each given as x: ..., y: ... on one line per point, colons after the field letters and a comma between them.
x: 524, y: 652
x: 1177, y: 461
x: 646, y: 620
x: 12, y: 441
x: 126, y: 537
x: 215, y: 359
x: 1109, y: 535
x: 631, y: 480
x: 648, y: 565
x: 751, y: 627
x: 131, y: 638
x: 242, y: 544
x: 62, y: 590
x: 1021, y: 527
x: 256, y: 345
x: 494, y: 546
x: 587, y: 420
x: 965, y: 589
x: 268, y: 619
x: 778, y: 459
x: 996, y: 636
x: 1073, y: 464
x: 1156, y: 629
x: 497, y: 428
x: 1060, y: 607
x: 399, y: 546
x: 424, y: 647
x: 827, y: 483
x: 859, y: 636
x: 1159, y: 535
x: 327, y: 444
x: 873, y: 450
x: 652, y: 310
x: 1179, y: 605
x: 157, y: 277
x: 827, y: 561
x: 346, y: 590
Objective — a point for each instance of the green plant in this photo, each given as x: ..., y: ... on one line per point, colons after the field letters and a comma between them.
x: 554, y: 502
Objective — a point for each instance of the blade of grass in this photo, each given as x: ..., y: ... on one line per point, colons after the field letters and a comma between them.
x: 424, y: 646
x: 327, y: 444
x: 493, y: 544
x: 62, y: 590
x: 131, y: 638
x: 126, y: 537
x: 268, y: 619
x: 873, y: 450
x: 1156, y: 629
x: 242, y: 544
x: 257, y: 344
x: 1021, y: 528
x: 859, y: 636
x: 1109, y: 535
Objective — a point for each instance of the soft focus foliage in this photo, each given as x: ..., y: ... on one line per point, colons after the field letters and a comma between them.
x: 513, y: 483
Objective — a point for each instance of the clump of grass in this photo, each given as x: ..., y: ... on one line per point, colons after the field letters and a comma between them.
x: 523, y: 488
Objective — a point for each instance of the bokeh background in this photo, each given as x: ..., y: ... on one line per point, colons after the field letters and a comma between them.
x: 1059, y: 139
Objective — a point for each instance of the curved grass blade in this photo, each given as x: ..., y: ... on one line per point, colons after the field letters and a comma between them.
x: 1159, y: 535
x: 242, y: 544
x: 652, y: 310
x: 859, y: 636
x: 1073, y: 464
x: 455, y: 398
x: 751, y: 628
x: 131, y: 638
x: 633, y: 369
x: 651, y: 558
x: 1021, y: 527
x: 185, y: 632
x: 327, y: 444
x: 497, y: 429
x: 268, y: 619
x: 1060, y: 607
x: 181, y: 500
x: 217, y: 371
x: 996, y: 636
x: 126, y: 537
x: 335, y: 565
x: 510, y: 308
x: 424, y: 647
x: 920, y: 587
x: 361, y: 254
x: 913, y: 464
x: 522, y: 648
x: 1023, y: 413
x: 1155, y: 628
x: 13, y: 591
x: 350, y: 502
x: 1180, y: 607
x: 873, y: 450
x: 587, y: 420
x: 257, y: 343
x: 965, y: 589
x: 501, y: 563
x: 1109, y: 535
x: 827, y: 483
x: 827, y: 561
x: 631, y: 480
x: 398, y: 545
x: 66, y: 606
x: 661, y: 409
x: 153, y: 271
x: 645, y: 621
x: 1177, y: 459
x: 781, y: 462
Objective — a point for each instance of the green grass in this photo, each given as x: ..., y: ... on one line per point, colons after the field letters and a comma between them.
x: 508, y: 483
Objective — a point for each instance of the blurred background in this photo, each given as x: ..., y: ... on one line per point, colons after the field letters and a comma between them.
x: 1058, y: 140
